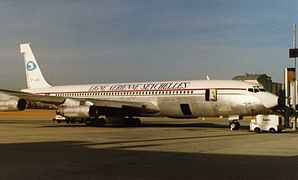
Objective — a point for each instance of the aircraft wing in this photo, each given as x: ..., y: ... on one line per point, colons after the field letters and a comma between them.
x: 33, y: 97
x: 104, y: 107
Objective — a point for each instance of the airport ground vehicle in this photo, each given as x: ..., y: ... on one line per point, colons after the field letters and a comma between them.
x: 269, y: 123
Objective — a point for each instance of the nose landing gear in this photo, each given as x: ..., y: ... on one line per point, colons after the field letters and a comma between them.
x: 234, y: 125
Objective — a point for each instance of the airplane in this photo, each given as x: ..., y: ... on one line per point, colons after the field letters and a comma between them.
x: 121, y: 103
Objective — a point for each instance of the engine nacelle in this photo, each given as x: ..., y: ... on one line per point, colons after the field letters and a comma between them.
x: 77, y: 111
x: 13, y: 104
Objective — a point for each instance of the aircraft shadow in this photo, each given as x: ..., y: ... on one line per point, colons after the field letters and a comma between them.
x: 199, y: 124
x: 156, y: 125
x: 143, y: 125
x: 75, y: 160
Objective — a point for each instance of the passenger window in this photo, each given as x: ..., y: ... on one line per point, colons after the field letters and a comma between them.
x: 250, y: 90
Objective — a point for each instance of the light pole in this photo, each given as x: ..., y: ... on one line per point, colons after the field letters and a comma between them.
x: 293, y: 53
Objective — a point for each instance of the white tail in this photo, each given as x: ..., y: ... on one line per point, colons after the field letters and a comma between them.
x: 34, y: 76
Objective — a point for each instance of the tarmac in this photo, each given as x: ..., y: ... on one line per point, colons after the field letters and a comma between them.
x: 33, y: 147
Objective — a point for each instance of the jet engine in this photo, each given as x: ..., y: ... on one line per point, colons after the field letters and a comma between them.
x: 13, y: 104
x: 83, y: 111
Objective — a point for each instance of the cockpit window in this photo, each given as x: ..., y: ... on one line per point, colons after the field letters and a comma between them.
x: 256, y: 89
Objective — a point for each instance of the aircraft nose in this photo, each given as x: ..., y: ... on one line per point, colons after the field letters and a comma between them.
x: 269, y: 100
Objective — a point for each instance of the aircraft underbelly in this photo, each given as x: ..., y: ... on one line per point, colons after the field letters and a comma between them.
x: 192, y: 106
x: 178, y: 107
x: 196, y: 106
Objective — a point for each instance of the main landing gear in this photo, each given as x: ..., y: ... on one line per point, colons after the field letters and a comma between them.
x: 97, y: 122
x: 117, y: 121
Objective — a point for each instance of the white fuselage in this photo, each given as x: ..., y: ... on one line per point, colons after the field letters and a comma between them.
x: 199, y: 98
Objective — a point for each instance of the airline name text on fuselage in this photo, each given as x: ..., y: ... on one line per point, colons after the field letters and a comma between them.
x: 139, y: 86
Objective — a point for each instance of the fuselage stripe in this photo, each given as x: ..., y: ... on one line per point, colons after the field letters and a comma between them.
x: 131, y: 91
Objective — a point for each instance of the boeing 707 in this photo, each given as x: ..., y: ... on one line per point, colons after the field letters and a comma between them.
x: 123, y: 102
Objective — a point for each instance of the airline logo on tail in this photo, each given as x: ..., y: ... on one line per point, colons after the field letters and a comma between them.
x: 31, y: 66
x: 34, y: 76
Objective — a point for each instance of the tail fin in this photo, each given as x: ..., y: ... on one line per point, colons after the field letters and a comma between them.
x: 34, y: 76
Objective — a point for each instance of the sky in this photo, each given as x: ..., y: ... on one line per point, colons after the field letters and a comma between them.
x: 105, y: 41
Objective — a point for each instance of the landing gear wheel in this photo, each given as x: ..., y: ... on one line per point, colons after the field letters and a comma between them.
x: 99, y: 122
x: 136, y: 122
x: 234, y: 125
x: 132, y: 122
x: 237, y: 125
x: 95, y: 122
x: 72, y: 121
x: 88, y: 122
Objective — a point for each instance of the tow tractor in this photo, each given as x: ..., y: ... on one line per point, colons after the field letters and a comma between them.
x: 269, y: 123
